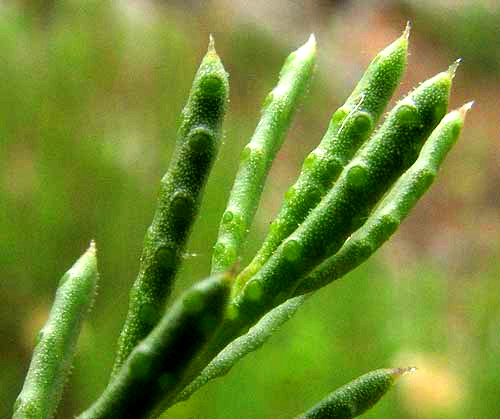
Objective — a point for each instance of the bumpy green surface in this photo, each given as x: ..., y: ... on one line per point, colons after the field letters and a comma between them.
x: 158, y: 362
x: 56, y: 342
x: 259, y: 153
x: 349, y: 127
x: 355, y: 397
x: 393, y: 208
x: 239, y: 348
x: 391, y: 150
x: 346, y: 207
x: 178, y: 202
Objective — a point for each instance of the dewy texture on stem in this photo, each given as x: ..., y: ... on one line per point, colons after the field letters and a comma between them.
x: 395, y: 206
x: 257, y: 156
x: 375, y: 167
x: 391, y: 150
x: 56, y: 341
x: 349, y: 127
x: 178, y: 202
x: 356, y: 397
x: 157, y: 363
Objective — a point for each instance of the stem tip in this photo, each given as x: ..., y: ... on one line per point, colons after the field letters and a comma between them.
x: 211, y: 43
x: 406, y: 32
x: 92, y: 247
x: 463, y: 110
x: 452, y: 69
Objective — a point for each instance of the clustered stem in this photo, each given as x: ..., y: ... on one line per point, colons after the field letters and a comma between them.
x: 354, y: 190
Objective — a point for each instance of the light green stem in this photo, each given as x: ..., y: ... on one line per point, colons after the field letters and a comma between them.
x: 259, y: 153
x: 56, y: 342
x: 393, y: 208
x: 356, y: 397
x: 349, y: 127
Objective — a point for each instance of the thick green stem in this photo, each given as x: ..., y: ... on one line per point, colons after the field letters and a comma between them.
x: 178, y: 202
x: 393, y: 208
x: 161, y: 359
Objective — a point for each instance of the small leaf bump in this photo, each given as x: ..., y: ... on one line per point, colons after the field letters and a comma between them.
x: 292, y: 250
x: 253, y: 291
x: 357, y: 175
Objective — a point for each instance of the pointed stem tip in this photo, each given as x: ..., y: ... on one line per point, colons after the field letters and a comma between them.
x: 211, y: 43
x: 463, y: 110
x: 92, y: 247
x: 308, y: 50
x: 399, y: 372
x: 452, y: 69
x: 406, y: 32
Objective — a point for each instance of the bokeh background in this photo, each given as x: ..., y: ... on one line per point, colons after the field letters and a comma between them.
x: 90, y: 93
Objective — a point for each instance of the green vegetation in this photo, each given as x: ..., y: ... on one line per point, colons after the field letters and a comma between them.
x: 157, y: 363
x: 56, y: 342
x: 178, y: 202
x: 88, y: 119
x: 356, y: 397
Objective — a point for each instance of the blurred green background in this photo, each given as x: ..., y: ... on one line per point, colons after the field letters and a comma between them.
x: 89, y: 103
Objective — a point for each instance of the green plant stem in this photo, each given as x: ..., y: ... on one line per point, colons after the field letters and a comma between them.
x: 159, y: 361
x: 356, y: 397
x: 392, y: 149
x: 178, y: 202
x: 393, y: 209
x: 56, y: 341
x: 349, y: 127
x: 245, y: 344
x: 258, y: 154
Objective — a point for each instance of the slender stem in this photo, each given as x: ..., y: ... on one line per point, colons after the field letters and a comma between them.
x: 356, y: 397
x: 56, y: 342
x: 258, y: 154
x: 160, y: 360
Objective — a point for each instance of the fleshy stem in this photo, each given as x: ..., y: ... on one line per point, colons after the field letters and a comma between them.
x: 257, y: 156
x: 356, y: 397
x: 56, y: 342
x: 178, y: 202
x: 349, y: 127
x: 159, y: 361
x: 393, y: 208
x: 391, y: 150
x: 388, y: 154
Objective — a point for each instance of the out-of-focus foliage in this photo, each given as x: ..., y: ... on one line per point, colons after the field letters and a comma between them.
x: 89, y: 104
